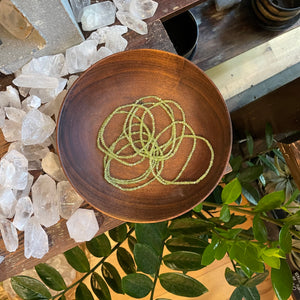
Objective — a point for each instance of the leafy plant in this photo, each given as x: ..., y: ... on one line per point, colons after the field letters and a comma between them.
x: 190, y: 242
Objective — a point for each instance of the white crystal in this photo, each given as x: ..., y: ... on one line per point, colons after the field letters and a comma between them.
x: 68, y: 198
x: 102, y: 53
x: 98, y: 15
x: 48, y: 95
x: 34, y: 165
x: 122, y: 4
x: 77, y: 7
x: 36, y: 127
x: 143, y: 9
x: 1, y: 259
x: 26, y: 191
x: 2, y: 117
x: 82, y: 225
x: 38, y: 81
x: 11, y: 131
x: 52, y: 65
x: 15, y: 114
x: 24, y: 210
x: 44, y: 198
x: 9, y: 235
x: 51, y: 166
x: 7, y: 203
x: 71, y: 81
x: 10, y: 97
x: 23, y: 91
x: 14, y: 170
x: 132, y: 22
x: 80, y: 57
x: 101, y: 34
x: 116, y: 43
x: 31, y: 102
x: 35, y: 239
x: 31, y: 152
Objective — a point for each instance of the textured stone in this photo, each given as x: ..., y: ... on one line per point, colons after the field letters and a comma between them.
x: 14, y: 170
x: 98, y: 15
x: 11, y: 131
x: 51, y: 166
x: 38, y: 81
x: 132, y: 22
x: 44, y: 198
x: 82, y: 225
x: 9, y: 235
x: 36, y: 127
x: 35, y: 239
x: 10, y: 97
x: 69, y: 200
x: 15, y: 114
x: 80, y: 57
x: 143, y: 9
x: 24, y: 210
x: 7, y: 203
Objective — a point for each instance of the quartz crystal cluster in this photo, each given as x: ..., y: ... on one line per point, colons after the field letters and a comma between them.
x: 28, y: 115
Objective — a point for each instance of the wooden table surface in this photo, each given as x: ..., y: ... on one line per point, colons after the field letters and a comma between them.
x: 222, y: 36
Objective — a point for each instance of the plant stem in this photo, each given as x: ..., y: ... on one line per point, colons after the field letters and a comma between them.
x: 94, y: 268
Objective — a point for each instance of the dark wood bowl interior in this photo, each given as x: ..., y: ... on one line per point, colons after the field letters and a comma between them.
x: 121, y: 79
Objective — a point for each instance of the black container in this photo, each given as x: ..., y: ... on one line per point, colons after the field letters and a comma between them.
x: 183, y: 32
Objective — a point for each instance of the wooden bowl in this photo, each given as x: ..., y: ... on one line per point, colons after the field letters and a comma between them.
x: 121, y: 79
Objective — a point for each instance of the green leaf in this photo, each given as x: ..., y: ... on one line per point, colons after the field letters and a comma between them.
x: 189, y: 226
x: 250, y: 193
x: 250, y: 143
x: 231, y: 191
x: 259, y: 229
x: 152, y: 235
x: 198, y: 208
x: 118, y: 234
x: 182, y: 285
x: 186, y: 243
x: 269, y: 164
x: 235, y: 220
x: 99, y: 287
x: 285, y: 239
x: 273, y: 262
x: 99, y: 246
x: 270, y: 201
x: 126, y: 261
x: 183, y: 261
x: 83, y: 293
x: 269, y: 135
x: 236, y: 162
x: 112, y: 277
x: 137, y: 285
x: 131, y: 243
x: 29, y: 288
x: 244, y: 293
x: 77, y: 259
x: 62, y: 297
x: 234, y: 278
x: 147, y: 260
x: 230, y: 233
x: 293, y: 219
x: 220, y: 250
x: 293, y: 197
x: 225, y: 213
x: 250, y: 174
x: 256, y: 279
x: 208, y: 255
x: 282, y: 281
x: 50, y: 277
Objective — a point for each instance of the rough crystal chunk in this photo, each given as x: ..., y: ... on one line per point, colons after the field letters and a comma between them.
x: 15, y: 114
x: 10, y: 97
x: 38, y: 81
x: 132, y: 22
x: 52, y: 65
x: 44, y: 198
x: 71, y: 80
x: 98, y: 15
x: 2, y: 117
x: 31, y: 102
x: 116, y: 43
x: 35, y: 239
x: 14, y: 170
x: 68, y: 198
x: 101, y: 34
x: 77, y: 7
x: 82, y: 225
x: 31, y: 152
x: 11, y: 131
x: 9, y: 235
x: 80, y: 57
x: 24, y: 210
x: 143, y: 9
x: 36, y: 127
x: 102, y: 53
x: 7, y: 203
x: 51, y: 166
x: 26, y: 191
x: 122, y: 4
